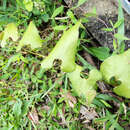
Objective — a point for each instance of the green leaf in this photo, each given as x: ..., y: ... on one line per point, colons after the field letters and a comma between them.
x: 45, y: 17
x: 118, y: 23
x: 85, y: 63
x: 109, y: 118
x: 118, y: 66
x: 115, y: 126
x: 121, y: 28
x: 85, y: 87
x: 107, y: 29
x: 25, y: 107
x: 114, y: 44
x: 64, y: 50
x: 10, y: 31
x: 28, y: 5
x: 57, y: 11
x: 106, y: 97
x: 14, y: 58
x: 101, y: 52
x: 106, y: 104
x: 121, y: 37
x: 30, y: 37
x: 17, y: 108
x: 4, y: 4
x: 71, y: 16
x: 80, y: 2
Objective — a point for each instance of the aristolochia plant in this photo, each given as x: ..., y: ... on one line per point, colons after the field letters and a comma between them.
x: 31, y: 37
x: 64, y: 50
x: 10, y: 31
x: 117, y: 67
x: 115, y: 70
x: 85, y: 87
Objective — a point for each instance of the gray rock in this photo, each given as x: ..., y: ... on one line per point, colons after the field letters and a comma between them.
x: 106, y: 10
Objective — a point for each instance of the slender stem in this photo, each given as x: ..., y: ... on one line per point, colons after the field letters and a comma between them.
x: 33, y: 53
x: 60, y: 18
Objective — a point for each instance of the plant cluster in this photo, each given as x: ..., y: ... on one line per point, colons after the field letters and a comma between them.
x: 27, y: 76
